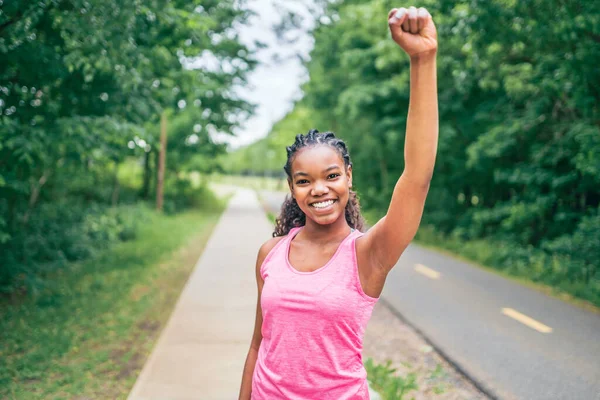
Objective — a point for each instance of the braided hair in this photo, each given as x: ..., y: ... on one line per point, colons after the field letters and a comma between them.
x: 291, y: 215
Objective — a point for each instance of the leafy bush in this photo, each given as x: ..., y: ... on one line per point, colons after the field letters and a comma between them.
x: 386, y: 383
x: 181, y: 194
x: 582, y: 248
x: 58, y: 233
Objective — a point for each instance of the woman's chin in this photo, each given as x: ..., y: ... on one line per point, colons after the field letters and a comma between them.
x: 326, y: 219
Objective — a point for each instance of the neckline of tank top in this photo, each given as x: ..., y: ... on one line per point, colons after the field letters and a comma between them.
x: 333, y: 257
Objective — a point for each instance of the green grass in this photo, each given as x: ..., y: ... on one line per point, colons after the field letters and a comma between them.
x: 89, y: 334
x: 385, y: 381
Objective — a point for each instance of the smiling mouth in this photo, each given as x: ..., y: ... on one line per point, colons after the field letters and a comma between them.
x: 322, y: 205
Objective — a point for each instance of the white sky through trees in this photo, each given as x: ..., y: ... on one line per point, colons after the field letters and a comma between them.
x: 273, y: 85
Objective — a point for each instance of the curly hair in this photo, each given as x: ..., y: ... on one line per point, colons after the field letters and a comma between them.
x: 291, y: 215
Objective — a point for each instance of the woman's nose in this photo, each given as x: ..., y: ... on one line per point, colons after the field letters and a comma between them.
x: 319, y: 189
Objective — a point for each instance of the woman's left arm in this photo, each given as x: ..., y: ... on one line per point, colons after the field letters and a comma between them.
x: 415, y: 32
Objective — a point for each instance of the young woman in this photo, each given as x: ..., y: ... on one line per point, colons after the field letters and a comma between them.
x: 320, y: 276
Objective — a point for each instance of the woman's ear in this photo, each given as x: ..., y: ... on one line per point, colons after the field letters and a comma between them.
x: 349, y: 174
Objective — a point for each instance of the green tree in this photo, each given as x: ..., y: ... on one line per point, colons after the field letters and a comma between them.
x: 82, y: 79
x: 519, y: 148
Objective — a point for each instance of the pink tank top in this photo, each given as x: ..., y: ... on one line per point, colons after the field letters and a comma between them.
x: 313, y: 328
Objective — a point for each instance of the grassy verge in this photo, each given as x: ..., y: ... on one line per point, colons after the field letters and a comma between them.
x: 489, y: 255
x: 387, y: 383
x: 90, y: 334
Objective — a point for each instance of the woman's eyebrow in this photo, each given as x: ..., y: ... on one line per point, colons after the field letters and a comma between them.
x: 325, y: 170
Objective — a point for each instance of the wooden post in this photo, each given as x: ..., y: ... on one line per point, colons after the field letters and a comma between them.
x: 147, y: 176
x: 161, y: 161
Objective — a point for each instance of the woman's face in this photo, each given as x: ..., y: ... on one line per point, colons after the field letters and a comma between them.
x: 320, y: 183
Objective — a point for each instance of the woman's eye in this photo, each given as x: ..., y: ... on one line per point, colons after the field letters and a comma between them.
x: 301, y: 181
x: 331, y: 176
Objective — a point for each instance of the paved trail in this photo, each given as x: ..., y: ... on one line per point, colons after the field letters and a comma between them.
x: 202, y: 350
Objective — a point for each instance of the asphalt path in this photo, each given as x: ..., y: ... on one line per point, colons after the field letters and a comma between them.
x: 513, y: 341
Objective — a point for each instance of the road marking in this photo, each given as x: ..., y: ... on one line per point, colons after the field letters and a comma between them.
x: 428, y: 272
x: 524, y: 319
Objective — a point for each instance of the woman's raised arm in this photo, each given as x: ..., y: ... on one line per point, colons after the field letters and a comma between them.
x: 413, y: 29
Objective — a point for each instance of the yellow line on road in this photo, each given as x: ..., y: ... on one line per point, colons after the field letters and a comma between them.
x: 524, y: 319
x: 428, y: 272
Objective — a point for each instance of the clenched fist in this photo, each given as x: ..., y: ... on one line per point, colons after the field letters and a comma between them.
x: 413, y: 29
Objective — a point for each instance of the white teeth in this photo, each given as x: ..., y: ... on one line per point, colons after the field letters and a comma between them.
x: 323, y: 204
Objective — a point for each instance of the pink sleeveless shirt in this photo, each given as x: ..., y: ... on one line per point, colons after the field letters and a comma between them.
x: 313, y: 328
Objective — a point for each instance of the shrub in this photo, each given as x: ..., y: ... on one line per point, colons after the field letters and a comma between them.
x: 62, y: 232
x: 385, y: 382
x: 181, y: 194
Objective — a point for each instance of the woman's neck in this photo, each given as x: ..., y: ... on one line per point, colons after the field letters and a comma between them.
x: 326, y: 233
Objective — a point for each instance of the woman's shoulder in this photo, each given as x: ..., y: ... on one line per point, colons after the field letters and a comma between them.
x: 264, y: 251
x: 269, y: 245
x: 272, y: 243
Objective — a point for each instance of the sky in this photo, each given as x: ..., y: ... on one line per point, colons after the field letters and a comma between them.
x: 273, y: 86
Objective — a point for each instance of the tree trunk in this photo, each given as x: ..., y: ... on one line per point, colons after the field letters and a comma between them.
x: 161, y: 161
x: 156, y: 156
x: 147, y: 174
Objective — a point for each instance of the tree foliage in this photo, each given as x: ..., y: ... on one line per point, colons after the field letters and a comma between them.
x: 82, y: 87
x: 519, y: 91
